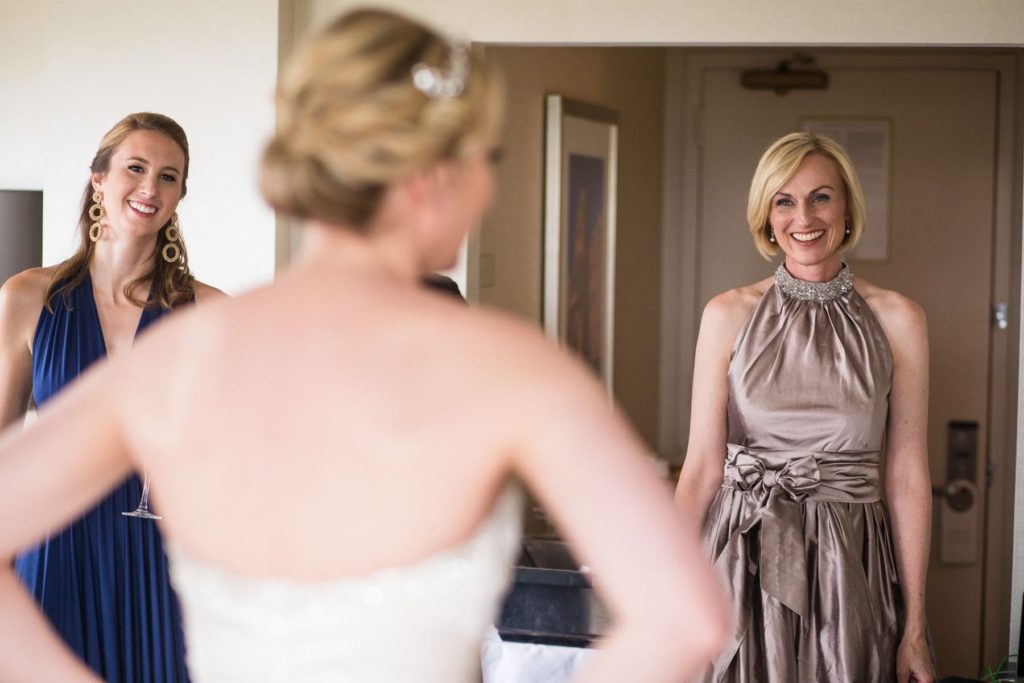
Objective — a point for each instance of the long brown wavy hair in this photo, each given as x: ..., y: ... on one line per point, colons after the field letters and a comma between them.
x: 172, y: 282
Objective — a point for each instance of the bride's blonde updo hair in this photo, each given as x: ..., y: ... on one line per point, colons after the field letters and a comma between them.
x: 351, y: 121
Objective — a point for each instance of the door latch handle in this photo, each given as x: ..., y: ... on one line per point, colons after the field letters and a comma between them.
x: 959, y: 494
x: 1000, y: 316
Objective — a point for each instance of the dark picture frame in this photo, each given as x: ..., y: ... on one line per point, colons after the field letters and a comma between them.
x: 580, y: 183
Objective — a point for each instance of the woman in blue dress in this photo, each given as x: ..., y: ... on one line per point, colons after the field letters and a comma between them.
x: 102, y: 581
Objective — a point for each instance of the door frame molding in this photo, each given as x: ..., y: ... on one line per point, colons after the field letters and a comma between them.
x: 680, y: 314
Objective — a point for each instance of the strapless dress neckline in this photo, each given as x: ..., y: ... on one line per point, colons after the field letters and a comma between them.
x: 422, y: 621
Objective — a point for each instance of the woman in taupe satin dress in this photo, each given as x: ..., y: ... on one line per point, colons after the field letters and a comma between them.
x: 800, y: 381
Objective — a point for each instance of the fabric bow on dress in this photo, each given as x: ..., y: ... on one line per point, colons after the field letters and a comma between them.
x: 780, y: 482
x: 783, y: 567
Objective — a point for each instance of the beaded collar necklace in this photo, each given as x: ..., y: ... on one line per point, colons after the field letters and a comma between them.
x: 814, y: 291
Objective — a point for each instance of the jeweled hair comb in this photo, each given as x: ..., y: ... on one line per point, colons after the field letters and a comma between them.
x: 447, y: 82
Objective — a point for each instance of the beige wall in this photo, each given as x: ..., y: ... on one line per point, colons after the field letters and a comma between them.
x: 23, y: 113
x: 631, y: 82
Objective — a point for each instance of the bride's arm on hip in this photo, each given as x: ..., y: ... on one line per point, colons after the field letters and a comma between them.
x: 701, y: 476
x: 907, y: 482
x: 593, y: 475
x: 50, y: 472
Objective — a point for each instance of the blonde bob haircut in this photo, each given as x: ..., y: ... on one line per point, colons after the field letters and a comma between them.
x: 777, y: 166
x: 351, y: 122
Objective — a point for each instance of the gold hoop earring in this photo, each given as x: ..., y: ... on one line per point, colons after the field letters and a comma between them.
x: 96, y: 213
x: 173, y: 231
x: 171, y: 253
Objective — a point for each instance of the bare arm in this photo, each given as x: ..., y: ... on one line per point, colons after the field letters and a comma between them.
x: 29, y: 648
x: 701, y: 475
x: 907, y: 481
x: 592, y: 473
x: 45, y: 484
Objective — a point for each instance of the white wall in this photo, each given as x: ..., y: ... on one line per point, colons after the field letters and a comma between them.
x: 722, y: 22
x: 209, y: 65
x: 21, y: 77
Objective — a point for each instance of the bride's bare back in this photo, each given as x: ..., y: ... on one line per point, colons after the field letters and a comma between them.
x: 340, y: 422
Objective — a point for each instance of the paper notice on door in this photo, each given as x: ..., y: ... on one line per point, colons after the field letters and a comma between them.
x: 868, y: 142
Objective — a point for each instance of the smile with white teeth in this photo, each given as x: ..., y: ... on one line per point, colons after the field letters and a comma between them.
x: 142, y: 208
x: 807, y: 236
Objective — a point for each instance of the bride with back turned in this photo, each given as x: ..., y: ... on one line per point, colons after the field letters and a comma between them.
x: 327, y: 517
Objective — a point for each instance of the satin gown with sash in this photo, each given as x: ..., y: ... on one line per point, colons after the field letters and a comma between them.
x: 102, y: 581
x: 799, y: 528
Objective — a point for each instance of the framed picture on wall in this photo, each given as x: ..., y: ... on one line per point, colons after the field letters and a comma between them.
x: 580, y: 176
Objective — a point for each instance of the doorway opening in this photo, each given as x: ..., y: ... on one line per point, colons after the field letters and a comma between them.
x: 690, y: 135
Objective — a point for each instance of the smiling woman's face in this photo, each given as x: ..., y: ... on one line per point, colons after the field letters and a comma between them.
x: 142, y: 187
x: 808, y: 214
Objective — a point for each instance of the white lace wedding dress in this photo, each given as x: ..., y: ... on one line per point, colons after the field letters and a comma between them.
x: 422, y: 622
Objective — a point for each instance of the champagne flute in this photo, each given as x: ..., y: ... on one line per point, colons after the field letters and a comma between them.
x: 143, y: 509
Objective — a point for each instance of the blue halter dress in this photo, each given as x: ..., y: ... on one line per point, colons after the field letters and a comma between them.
x: 102, y: 581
